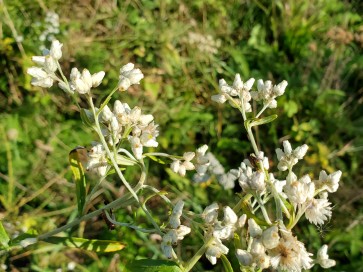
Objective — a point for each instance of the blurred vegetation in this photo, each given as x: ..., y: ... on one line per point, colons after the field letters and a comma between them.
x: 183, y: 48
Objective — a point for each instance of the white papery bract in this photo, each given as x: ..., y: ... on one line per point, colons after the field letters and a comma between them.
x: 299, y: 191
x: 83, y: 82
x: 174, y: 219
x: 251, y: 180
x: 244, y: 257
x: 180, y: 167
x: 323, y: 258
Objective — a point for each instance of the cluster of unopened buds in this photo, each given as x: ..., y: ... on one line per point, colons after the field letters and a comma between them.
x: 264, y: 240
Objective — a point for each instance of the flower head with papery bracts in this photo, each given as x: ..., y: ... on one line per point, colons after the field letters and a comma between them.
x: 129, y: 76
x: 236, y: 93
x: 288, y: 158
x: 267, y: 93
x: 290, y: 254
x: 216, y: 231
x: 323, y: 258
x: 97, y: 160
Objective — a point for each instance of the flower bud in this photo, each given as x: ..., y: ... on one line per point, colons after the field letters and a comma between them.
x: 270, y: 237
x: 56, y: 50
x: 230, y: 217
x: 244, y: 257
x: 97, y: 78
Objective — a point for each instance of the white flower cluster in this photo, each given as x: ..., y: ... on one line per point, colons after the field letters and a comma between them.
x: 204, y: 43
x: 122, y: 120
x: 176, y: 232
x: 307, y: 196
x: 217, y: 231
x: 273, y: 246
x: 51, y: 26
x: 44, y: 73
x: 200, y: 163
x: 236, y: 93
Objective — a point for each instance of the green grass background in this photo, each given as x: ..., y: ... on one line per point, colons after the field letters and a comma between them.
x: 315, y: 45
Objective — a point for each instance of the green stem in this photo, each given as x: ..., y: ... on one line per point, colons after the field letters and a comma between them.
x: 120, y: 202
x: 190, y: 264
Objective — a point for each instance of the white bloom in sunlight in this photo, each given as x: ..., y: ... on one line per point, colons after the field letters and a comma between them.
x: 253, y: 228
x: 318, y: 211
x: 251, y: 180
x: 223, y: 232
x: 181, y: 167
x: 40, y: 77
x: 215, y: 250
x: 129, y: 76
x: 323, y: 258
x: 288, y: 158
x: 136, y: 146
x: 83, y: 82
x: 329, y: 182
x: 278, y: 184
x: 182, y: 231
x: 149, y: 134
x: 56, y: 50
x: 290, y: 254
x: 238, y: 89
x: 267, y: 93
x: 299, y: 191
x: 210, y: 213
x: 97, y: 159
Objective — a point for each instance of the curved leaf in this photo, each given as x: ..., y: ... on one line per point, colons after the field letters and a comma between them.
x: 148, y: 265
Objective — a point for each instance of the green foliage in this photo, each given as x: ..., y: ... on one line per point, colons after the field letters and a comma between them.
x: 293, y: 40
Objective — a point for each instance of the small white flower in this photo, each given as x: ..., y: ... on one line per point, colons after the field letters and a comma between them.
x: 318, y: 211
x: 40, y: 77
x: 299, y: 191
x: 107, y: 114
x: 219, y: 98
x: 215, y: 250
x: 329, y: 182
x: 129, y: 76
x: 323, y: 258
x: 288, y: 158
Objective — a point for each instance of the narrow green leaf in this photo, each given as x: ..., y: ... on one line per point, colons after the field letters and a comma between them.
x: 123, y: 160
x: 156, y: 159
x: 226, y: 264
x: 102, y: 246
x: 264, y: 120
x: 4, y: 238
x: 147, y: 265
x: 75, y: 157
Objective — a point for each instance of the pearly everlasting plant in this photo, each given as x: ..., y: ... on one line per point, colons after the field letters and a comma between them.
x: 260, y: 223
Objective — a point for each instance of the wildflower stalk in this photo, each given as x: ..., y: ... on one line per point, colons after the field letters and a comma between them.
x: 98, y: 130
